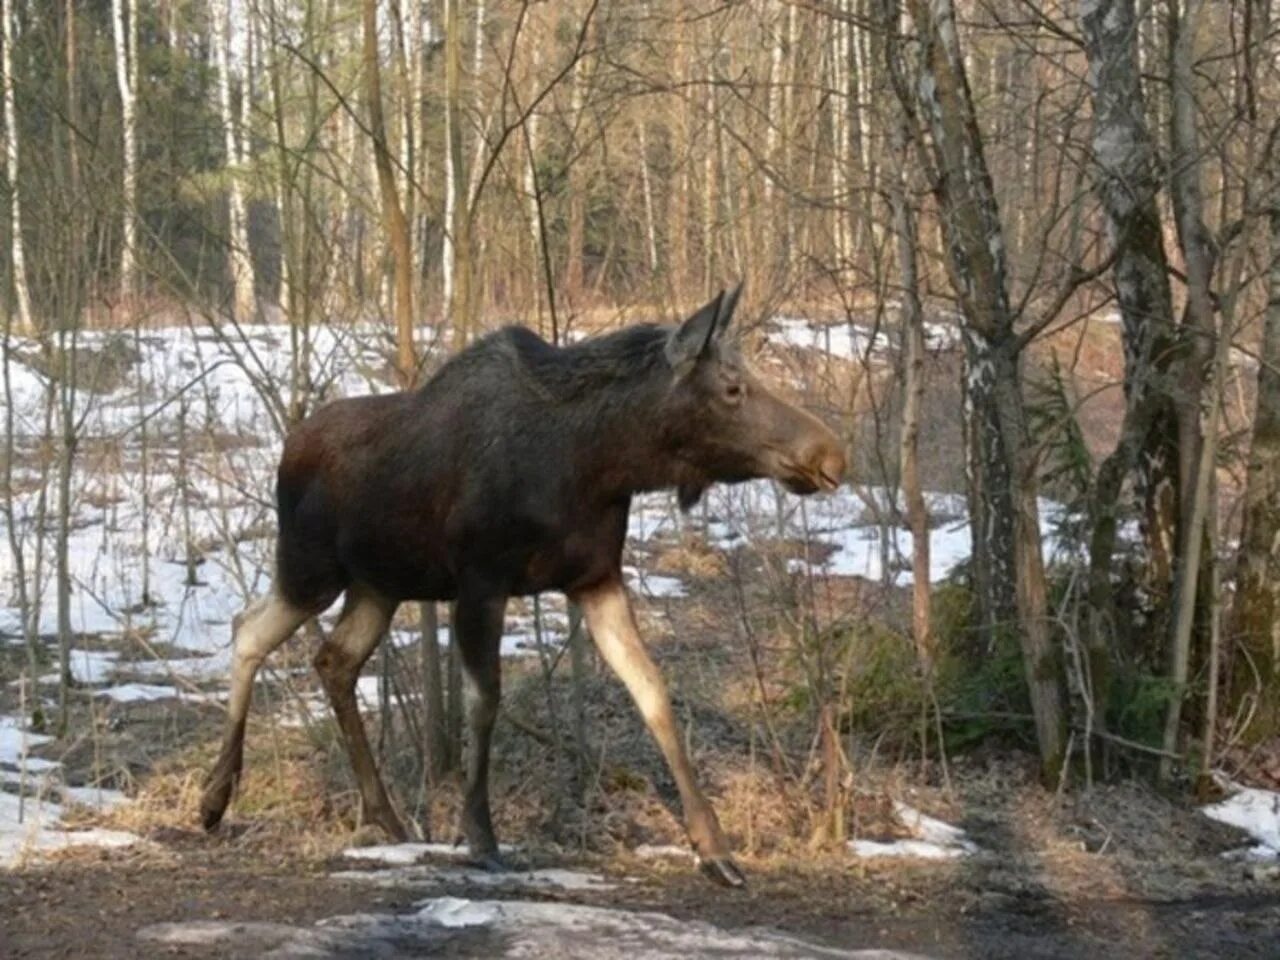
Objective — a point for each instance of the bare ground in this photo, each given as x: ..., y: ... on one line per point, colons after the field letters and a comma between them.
x: 94, y: 904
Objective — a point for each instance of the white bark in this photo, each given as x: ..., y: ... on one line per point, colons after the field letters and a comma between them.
x: 127, y: 83
x: 651, y: 228
x: 242, y: 275
x: 771, y: 119
x: 448, y: 254
x: 16, y: 247
x: 530, y: 179
x: 839, y: 136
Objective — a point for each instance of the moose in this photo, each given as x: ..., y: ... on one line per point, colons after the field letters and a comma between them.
x: 508, y: 473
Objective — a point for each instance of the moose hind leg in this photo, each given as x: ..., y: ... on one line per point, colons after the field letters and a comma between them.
x: 613, y: 627
x: 260, y: 629
x: 364, y: 621
x: 478, y: 626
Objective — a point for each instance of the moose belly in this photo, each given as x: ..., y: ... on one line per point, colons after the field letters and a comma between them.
x: 559, y: 552
x: 398, y: 564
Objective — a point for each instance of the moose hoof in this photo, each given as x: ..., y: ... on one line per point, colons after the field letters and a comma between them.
x: 210, y: 818
x: 213, y: 805
x: 722, y: 870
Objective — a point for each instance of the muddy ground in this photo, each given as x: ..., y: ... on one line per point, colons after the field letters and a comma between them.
x: 1070, y: 878
x: 93, y: 906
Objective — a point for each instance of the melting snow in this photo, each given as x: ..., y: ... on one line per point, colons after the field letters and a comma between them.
x: 148, y: 692
x: 16, y: 741
x: 400, y: 854
x: 38, y: 831
x: 932, y: 839
x: 504, y: 928
x: 454, y: 912
x: 653, y: 584
x: 850, y: 341
x: 1257, y: 813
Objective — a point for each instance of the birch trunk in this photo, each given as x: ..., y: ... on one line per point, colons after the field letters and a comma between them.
x: 1127, y: 184
x: 126, y: 82
x: 977, y: 266
x: 646, y: 183
x: 242, y: 275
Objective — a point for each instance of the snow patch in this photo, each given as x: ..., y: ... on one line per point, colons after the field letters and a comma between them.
x: 400, y: 854
x: 504, y: 928
x: 908, y: 849
x: 653, y: 584
x: 455, y: 912
x: 148, y: 692
x: 931, y: 839
x: 855, y: 341
x: 32, y: 827
x: 16, y: 742
x: 91, y: 667
x: 1257, y: 813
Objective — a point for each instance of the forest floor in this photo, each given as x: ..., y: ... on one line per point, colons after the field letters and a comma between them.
x: 1117, y: 867
x: 225, y: 897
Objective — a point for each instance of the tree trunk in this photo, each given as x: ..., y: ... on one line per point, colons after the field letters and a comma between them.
x: 242, y: 274
x: 127, y: 83
x: 912, y: 325
x: 1255, y: 623
x: 456, y: 264
x: 17, y: 247
x: 392, y: 213
x: 646, y: 184
x: 1127, y: 183
x: 573, y: 273
x: 1198, y: 253
x: 977, y: 266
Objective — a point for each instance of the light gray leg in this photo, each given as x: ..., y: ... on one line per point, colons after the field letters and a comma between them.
x: 261, y: 628
x: 364, y: 621
x: 613, y: 627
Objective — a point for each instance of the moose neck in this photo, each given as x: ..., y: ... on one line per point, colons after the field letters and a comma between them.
x: 619, y: 409
x: 626, y: 445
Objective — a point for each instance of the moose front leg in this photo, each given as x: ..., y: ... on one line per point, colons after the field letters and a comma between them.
x: 613, y: 627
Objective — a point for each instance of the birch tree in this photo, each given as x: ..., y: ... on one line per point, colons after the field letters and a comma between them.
x: 1127, y: 183
x: 242, y: 273
x: 1005, y: 459
x: 124, y: 31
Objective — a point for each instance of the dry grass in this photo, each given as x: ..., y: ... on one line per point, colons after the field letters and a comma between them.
x: 287, y: 795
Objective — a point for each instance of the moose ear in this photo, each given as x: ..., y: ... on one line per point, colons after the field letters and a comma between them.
x: 690, y: 340
x: 727, y: 306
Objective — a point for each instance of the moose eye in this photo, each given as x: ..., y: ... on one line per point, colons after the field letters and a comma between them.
x: 734, y: 392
